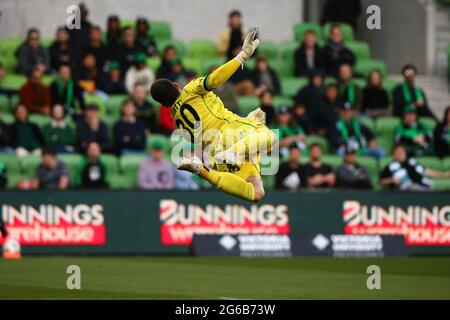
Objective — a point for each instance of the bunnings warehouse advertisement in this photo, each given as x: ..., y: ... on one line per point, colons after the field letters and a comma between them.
x: 165, y: 222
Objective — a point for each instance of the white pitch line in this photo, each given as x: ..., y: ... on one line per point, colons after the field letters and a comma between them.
x: 229, y: 298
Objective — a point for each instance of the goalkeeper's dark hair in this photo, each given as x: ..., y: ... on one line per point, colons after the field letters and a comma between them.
x: 165, y: 92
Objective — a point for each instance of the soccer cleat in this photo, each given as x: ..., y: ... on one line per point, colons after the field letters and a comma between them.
x: 193, y: 165
x: 257, y: 115
x: 228, y: 158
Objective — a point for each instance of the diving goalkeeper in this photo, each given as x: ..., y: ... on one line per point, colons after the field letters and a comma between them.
x: 240, y: 141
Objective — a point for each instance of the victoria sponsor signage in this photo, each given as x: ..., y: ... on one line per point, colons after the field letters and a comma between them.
x: 49, y: 224
x: 181, y: 220
x: 420, y: 225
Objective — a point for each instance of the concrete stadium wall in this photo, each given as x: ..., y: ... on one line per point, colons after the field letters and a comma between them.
x: 193, y: 19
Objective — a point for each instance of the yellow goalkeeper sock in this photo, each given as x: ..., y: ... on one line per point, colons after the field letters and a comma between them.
x: 229, y: 183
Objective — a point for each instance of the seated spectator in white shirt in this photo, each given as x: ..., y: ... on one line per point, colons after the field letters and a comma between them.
x: 139, y: 73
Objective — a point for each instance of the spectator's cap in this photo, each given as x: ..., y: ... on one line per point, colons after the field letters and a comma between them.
x: 175, y: 61
x: 346, y: 106
x: 92, y: 106
x: 113, y: 65
x: 140, y: 57
x: 141, y: 19
x: 157, y: 145
x: 349, y: 149
x: 410, y: 108
x: 283, y: 110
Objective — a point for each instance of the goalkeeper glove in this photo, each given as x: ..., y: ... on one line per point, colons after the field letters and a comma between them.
x: 249, y: 46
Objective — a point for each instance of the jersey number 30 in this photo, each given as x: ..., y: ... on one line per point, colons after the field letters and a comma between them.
x: 185, y: 122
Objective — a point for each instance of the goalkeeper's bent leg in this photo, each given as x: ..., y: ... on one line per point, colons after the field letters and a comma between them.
x: 229, y: 183
x: 260, y: 141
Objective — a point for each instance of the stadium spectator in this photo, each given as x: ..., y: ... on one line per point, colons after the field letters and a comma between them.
x: 242, y: 80
x: 128, y: 49
x: 227, y: 94
x: 58, y: 135
x: 96, y: 47
x: 51, y: 173
x: 318, y: 174
x: 144, y: 110
x: 88, y: 74
x: 289, y: 132
x: 60, y: 50
x: 267, y: 106
x: 165, y: 68
x: 442, y: 136
x: 264, y: 77
x: 3, y: 182
x: 408, y: 93
x: 308, y: 57
x: 414, y: 134
x: 375, y: 101
x: 93, y: 173
x: 346, y: 11
x: 34, y: 94
x: 26, y: 138
x: 291, y: 175
x: 350, y: 174
x: 5, y: 138
x: 65, y: 91
x: 326, y: 115
x: 232, y: 36
x: 178, y: 73
x: 348, y: 90
x: 113, y: 36
x: 185, y: 180
x: 143, y: 38
x: 79, y: 37
x: 335, y: 53
x: 404, y: 173
x: 155, y: 173
x: 92, y: 129
x: 111, y: 80
x: 349, y: 131
x: 302, y: 119
x: 129, y: 134
x: 139, y: 73
x: 5, y: 91
x: 32, y: 54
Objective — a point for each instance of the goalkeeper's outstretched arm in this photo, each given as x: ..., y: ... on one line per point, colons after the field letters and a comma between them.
x: 225, y: 71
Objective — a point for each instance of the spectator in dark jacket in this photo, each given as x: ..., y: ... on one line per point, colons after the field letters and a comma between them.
x: 350, y: 174
x: 128, y: 49
x: 65, y: 91
x: 31, y: 54
x: 79, y: 37
x: 113, y: 36
x: 291, y: 175
x: 267, y: 106
x: 58, y: 134
x: 94, y: 174
x: 308, y: 57
x: 165, y: 68
x: 143, y: 37
x: 346, y: 11
x: 26, y: 137
x: 5, y: 137
x: 96, y: 47
x: 51, y: 174
x: 111, y: 81
x: 92, y: 129
x: 34, y: 94
x: 129, y: 133
x: 348, y: 90
x: 442, y: 136
x: 335, y: 53
x: 61, y: 52
x: 375, y: 102
x: 318, y: 174
x: 264, y: 78
x: 145, y: 112
x: 408, y: 93
x: 327, y: 114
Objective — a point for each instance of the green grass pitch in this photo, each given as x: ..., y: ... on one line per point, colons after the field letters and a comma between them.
x: 222, y: 278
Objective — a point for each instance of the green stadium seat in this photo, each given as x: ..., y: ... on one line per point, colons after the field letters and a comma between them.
x: 153, y: 63
x: 9, y: 46
x: 124, y: 23
x: 247, y: 104
x: 202, y: 49
x: 40, y: 119
x: 332, y: 160
x: 178, y: 45
x: 287, y: 51
x: 360, y: 49
x: 194, y: 64
x: 111, y: 163
x: 386, y: 125
x: 429, y: 122
x: 389, y: 85
x: 365, y: 66
x: 46, y: 42
x: 369, y: 123
x: 93, y: 99
x: 4, y: 104
x: 29, y: 165
x: 212, y: 62
x: 280, y: 101
x: 129, y: 165
x: 9, y: 62
x: 13, y: 81
x: 7, y: 118
x: 291, y: 86
x: 301, y: 28
x: 383, y: 162
x: 330, y: 80
x: 347, y: 31
x: 431, y: 162
x: 160, y: 30
x: 371, y: 165
x: 11, y: 162
x: 310, y: 139
x: 268, y: 181
x: 269, y: 49
x: 441, y: 184
x: 114, y: 104
x: 283, y: 70
x: 74, y: 164
x: 446, y: 163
